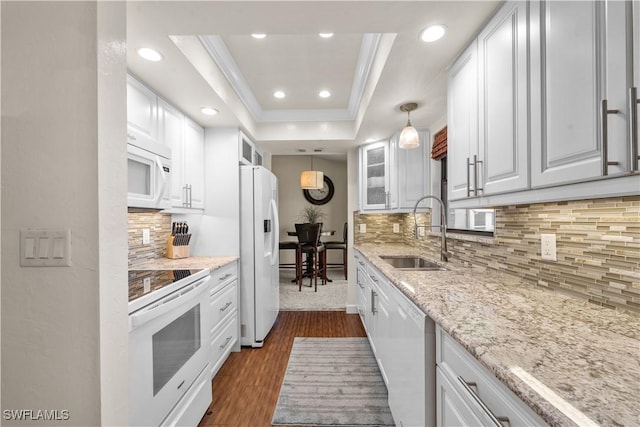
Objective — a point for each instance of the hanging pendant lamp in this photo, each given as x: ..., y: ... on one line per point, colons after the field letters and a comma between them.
x: 311, y: 179
x: 409, y: 136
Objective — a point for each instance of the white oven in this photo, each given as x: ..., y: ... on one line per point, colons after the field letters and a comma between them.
x: 169, y: 351
x: 148, y: 175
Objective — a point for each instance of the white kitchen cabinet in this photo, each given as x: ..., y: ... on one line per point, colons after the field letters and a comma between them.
x: 402, y: 339
x: 470, y: 394
x: 503, y: 102
x: 462, y: 125
x: 194, y: 163
x: 374, y: 176
x: 393, y: 178
x: 451, y: 409
x: 142, y: 112
x: 248, y: 152
x: 186, y: 140
x: 224, y: 311
x: 581, y: 55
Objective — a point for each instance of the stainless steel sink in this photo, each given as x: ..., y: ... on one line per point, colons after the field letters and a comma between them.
x: 410, y: 262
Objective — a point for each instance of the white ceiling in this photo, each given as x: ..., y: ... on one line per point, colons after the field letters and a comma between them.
x: 374, y: 63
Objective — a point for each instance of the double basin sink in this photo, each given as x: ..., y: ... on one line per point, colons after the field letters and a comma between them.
x: 411, y: 263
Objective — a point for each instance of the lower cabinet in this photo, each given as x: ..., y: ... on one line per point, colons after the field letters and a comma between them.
x: 468, y: 394
x: 402, y: 339
x: 223, y: 303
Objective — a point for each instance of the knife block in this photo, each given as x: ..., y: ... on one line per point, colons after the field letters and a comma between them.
x: 176, y: 252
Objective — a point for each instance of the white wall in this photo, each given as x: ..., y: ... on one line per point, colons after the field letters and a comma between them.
x: 353, y: 204
x: 291, y: 200
x: 64, y: 329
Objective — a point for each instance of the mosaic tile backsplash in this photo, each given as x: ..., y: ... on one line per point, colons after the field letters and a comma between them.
x: 159, y: 225
x: 597, y: 241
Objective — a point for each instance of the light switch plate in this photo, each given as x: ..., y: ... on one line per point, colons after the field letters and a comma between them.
x: 363, y: 228
x: 396, y: 228
x: 45, y: 247
x: 146, y: 237
x: 548, y: 247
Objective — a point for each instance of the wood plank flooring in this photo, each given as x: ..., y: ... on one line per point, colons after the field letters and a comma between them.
x: 245, y: 390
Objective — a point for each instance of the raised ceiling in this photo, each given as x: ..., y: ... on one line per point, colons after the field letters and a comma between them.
x: 373, y: 63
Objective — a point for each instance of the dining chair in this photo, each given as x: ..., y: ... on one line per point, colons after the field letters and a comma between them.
x: 315, y: 255
x: 337, y: 245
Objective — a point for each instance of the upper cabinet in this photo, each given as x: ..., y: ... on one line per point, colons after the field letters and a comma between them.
x: 542, y: 105
x: 503, y: 102
x: 142, y: 112
x: 151, y: 118
x: 186, y: 140
x: 580, y: 80
x: 462, y: 126
x: 249, y: 152
x: 392, y: 178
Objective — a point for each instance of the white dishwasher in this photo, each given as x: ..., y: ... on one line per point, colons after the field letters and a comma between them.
x: 412, y: 384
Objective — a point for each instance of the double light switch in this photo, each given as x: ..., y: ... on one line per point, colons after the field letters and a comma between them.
x: 45, y: 247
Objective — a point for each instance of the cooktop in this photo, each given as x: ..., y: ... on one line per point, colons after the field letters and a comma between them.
x: 143, y: 282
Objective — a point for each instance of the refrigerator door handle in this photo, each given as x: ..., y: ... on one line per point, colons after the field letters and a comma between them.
x: 275, y: 231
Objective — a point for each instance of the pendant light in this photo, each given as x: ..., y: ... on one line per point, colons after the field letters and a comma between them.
x: 311, y: 179
x: 409, y: 136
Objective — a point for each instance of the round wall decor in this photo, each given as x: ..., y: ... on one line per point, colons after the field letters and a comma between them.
x: 321, y: 196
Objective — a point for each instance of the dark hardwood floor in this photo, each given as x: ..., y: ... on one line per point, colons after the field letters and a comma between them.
x: 245, y: 390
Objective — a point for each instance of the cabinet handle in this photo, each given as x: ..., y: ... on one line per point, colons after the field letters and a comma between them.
x: 476, y: 162
x: 131, y: 137
x: 185, y: 197
x: 469, y: 386
x: 605, y: 138
x: 469, y: 164
x: 374, y: 294
x: 225, y: 277
x: 226, y: 342
x: 633, y: 126
x: 387, y: 203
x: 226, y: 306
x: 361, y: 263
x: 373, y: 278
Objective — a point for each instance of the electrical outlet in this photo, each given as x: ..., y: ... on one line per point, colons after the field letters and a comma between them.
x: 363, y: 228
x: 421, y: 231
x: 146, y: 236
x: 548, y: 246
x: 146, y: 284
x: 396, y: 228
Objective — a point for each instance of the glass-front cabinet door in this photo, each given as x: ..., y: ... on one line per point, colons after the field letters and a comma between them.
x: 375, y: 176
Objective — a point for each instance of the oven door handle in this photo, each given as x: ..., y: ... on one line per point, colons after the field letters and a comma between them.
x: 168, y: 303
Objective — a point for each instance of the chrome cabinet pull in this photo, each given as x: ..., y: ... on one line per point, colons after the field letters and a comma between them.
x: 633, y: 127
x: 226, y: 342
x: 185, y: 197
x: 469, y: 164
x: 225, y: 277
x: 374, y: 310
x: 373, y: 278
x: 226, y: 306
x: 605, y: 138
x: 476, y: 162
x: 469, y: 387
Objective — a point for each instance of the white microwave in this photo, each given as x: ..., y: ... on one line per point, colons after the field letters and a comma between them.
x: 148, y: 175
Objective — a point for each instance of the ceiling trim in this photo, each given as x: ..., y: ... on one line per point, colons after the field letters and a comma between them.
x: 220, y: 54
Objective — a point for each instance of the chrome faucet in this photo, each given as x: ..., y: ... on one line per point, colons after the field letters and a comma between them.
x: 444, y: 256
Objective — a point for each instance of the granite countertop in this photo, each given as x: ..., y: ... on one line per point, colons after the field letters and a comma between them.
x: 572, y: 362
x: 190, y: 263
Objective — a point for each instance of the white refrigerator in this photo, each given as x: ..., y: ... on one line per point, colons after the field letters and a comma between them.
x: 259, y: 240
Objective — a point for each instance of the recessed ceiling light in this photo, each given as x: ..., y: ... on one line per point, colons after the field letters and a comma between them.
x: 324, y: 94
x: 209, y: 111
x: 325, y: 35
x: 150, y: 54
x: 433, y: 33
x: 258, y: 35
x: 279, y: 94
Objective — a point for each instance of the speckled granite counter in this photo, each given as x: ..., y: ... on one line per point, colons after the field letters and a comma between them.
x: 587, y: 357
x: 191, y: 263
